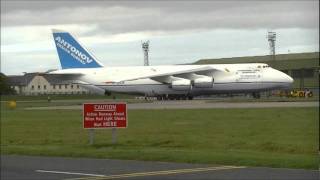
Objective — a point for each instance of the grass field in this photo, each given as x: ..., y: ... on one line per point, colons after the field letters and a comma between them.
x: 274, y: 137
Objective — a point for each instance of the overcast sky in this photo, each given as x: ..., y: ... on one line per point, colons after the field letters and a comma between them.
x: 179, y: 31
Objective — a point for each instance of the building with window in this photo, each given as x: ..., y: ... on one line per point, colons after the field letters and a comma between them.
x: 40, y: 84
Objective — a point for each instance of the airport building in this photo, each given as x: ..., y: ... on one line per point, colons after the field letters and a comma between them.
x: 38, y: 84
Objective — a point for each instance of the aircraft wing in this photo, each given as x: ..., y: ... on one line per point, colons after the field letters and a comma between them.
x: 168, y: 77
x: 65, y: 77
x: 73, y: 78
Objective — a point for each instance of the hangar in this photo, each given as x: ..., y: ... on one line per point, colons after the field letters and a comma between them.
x: 302, y: 67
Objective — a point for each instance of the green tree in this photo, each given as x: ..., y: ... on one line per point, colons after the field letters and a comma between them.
x: 4, y: 87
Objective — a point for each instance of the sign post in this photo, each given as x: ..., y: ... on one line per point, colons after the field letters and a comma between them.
x: 114, y: 135
x: 104, y: 115
x: 91, y: 136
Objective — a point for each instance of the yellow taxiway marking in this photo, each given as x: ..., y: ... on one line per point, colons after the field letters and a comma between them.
x: 155, y: 173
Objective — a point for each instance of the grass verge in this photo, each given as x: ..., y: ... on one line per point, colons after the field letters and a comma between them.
x: 273, y: 137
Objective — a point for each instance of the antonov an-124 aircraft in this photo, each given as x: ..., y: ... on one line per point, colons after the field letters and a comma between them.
x: 164, y: 82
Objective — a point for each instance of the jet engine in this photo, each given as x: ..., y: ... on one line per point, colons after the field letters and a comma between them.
x: 203, y: 82
x: 181, y: 85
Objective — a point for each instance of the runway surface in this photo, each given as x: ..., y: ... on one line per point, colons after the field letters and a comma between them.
x: 30, y: 167
x: 196, y: 104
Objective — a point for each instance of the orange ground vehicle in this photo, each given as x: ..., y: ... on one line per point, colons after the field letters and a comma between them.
x: 301, y: 93
x: 295, y: 93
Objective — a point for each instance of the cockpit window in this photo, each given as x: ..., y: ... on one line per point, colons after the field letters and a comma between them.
x: 266, y: 66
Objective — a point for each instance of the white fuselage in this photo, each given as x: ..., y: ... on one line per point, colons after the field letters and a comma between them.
x: 228, y: 78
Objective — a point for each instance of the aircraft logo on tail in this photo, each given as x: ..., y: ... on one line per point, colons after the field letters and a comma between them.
x: 74, y: 52
x: 71, y: 53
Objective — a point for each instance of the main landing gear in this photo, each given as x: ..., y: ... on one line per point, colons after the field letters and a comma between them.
x: 174, y: 97
x: 256, y: 95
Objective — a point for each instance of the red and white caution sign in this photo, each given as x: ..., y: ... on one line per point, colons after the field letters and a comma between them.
x: 105, y: 115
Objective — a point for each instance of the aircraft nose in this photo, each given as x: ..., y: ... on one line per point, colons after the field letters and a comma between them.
x: 287, y: 78
x: 290, y: 79
x: 282, y: 80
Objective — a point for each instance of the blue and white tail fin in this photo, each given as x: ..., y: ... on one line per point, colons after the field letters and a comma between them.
x: 71, y: 53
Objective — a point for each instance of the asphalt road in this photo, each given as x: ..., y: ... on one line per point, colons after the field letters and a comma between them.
x: 197, y: 104
x: 30, y: 167
x: 209, y: 105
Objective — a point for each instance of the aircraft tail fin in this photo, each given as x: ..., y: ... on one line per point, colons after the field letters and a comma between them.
x: 71, y: 53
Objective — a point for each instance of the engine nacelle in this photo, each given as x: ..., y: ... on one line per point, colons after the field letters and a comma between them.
x: 181, y: 85
x: 203, y: 82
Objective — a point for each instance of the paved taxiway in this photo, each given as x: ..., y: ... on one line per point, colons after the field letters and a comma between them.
x: 196, y: 104
x: 30, y: 167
